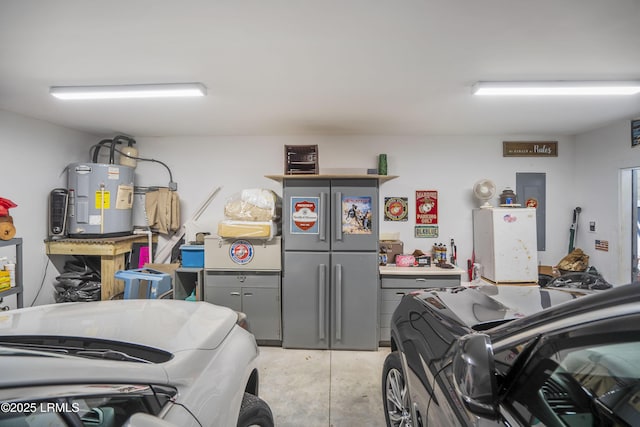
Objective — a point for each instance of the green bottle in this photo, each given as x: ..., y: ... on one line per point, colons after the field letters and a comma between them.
x: 382, y: 164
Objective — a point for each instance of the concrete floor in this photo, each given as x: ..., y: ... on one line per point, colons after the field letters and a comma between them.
x: 323, y: 388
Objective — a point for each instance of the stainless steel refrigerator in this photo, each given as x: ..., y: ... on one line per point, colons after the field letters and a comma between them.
x: 330, y: 264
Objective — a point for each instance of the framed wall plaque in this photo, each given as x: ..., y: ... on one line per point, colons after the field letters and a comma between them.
x: 530, y: 149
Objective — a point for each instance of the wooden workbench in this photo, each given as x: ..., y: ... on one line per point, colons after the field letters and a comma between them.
x: 111, y: 251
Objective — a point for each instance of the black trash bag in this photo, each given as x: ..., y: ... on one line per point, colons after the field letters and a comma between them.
x: 589, y: 279
x: 80, y: 281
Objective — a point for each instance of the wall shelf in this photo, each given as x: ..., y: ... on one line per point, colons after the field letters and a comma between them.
x: 380, y: 178
x: 18, y: 289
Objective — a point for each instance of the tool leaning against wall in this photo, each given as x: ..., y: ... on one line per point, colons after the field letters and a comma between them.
x: 573, y: 229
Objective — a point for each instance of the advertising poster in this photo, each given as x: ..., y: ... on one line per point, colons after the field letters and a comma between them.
x: 426, y: 207
x: 304, y: 215
x: 357, y: 215
x: 396, y: 208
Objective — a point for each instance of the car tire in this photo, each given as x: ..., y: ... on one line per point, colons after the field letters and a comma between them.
x: 395, y: 394
x: 254, y: 412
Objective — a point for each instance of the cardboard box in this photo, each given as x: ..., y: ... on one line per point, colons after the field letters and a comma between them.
x: 547, y: 270
x: 165, y: 268
x: 391, y: 248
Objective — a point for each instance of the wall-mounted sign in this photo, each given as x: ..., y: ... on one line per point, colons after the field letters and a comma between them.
x: 530, y: 149
x: 426, y: 207
x: 426, y: 231
x: 602, y: 245
x: 357, y: 215
x: 396, y: 208
x: 304, y: 215
x: 241, y: 252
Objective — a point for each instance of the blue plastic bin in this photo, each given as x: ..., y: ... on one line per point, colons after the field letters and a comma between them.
x: 153, y: 283
x: 192, y: 255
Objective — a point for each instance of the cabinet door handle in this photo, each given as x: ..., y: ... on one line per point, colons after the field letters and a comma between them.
x: 248, y: 294
x: 400, y: 293
x: 338, y: 302
x: 235, y: 294
x: 322, y: 293
x: 421, y: 279
x: 323, y: 217
x: 338, y: 215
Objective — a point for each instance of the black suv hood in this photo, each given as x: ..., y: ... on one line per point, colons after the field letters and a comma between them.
x: 486, y: 306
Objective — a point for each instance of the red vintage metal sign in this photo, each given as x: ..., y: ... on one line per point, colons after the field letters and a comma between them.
x: 426, y: 207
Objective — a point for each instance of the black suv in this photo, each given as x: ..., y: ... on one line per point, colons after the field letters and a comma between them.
x: 514, y: 355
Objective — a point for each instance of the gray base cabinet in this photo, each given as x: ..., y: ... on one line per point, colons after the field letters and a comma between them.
x: 255, y: 293
x: 330, y: 300
x: 393, y: 288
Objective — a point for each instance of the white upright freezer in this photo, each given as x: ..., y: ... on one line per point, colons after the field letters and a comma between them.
x: 505, y: 244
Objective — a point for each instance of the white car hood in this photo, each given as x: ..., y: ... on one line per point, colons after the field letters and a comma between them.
x: 170, y: 325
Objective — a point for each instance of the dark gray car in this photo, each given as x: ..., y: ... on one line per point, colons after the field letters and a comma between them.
x: 514, y: 355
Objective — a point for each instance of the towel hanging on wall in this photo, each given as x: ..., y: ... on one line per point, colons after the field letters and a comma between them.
x: 163, y: 210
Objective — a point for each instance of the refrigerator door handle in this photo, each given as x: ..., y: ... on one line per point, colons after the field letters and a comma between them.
x: 339, y: 219
x: 322, y: 294
x: 323, y: 218
x: 338, y: 302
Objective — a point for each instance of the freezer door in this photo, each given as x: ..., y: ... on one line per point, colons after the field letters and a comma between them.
x: 305, y: 300
x: 354, y: 206
x: 515, y: 245
x: 305, y: 220
x: 354, y: 301
x: 505, y: 244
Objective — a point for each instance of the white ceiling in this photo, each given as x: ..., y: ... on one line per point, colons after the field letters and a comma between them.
x: 319, y: 66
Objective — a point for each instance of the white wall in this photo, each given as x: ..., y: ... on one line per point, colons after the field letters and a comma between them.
x: 448, y: 164
x: 33, y: 157
x: 602, y: 158
x: 586, y: 173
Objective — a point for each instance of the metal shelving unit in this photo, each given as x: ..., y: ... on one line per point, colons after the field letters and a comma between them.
x: 18, y: 289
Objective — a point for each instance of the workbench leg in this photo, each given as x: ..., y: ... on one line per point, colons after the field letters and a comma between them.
x: 109, y: 264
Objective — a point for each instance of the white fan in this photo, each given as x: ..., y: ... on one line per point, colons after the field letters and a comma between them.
x: 484, y: 190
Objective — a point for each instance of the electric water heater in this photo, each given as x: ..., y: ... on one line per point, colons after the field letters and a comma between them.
x: 100, y: 200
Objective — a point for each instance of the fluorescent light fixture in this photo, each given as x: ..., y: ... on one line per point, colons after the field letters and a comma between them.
x: 129, y: 91
x: 557, y: 88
